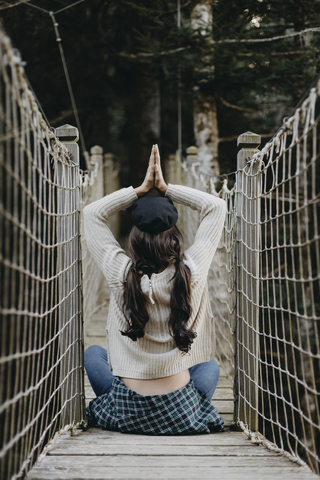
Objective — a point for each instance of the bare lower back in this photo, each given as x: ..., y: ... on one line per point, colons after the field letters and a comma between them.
x: 158, y: 386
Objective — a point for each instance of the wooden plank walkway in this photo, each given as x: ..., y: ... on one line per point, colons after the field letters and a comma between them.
x: 97, y: 454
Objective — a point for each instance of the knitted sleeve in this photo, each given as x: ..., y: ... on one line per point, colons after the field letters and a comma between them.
x: 104, y: 248
x: 212, y: 215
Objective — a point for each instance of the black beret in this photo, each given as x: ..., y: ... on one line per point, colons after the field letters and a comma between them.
x: 154, y: 214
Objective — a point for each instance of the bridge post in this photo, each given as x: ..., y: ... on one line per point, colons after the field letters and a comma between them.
x: 247, y: 309
x: 69, y: 282
x: 108, y: 160
x: 192, y: 155
x: 69, y: 136
x: 111, y: 184
x: 96, y: 163
x: 170, y: 170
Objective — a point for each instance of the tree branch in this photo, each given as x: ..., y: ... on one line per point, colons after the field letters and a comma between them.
x: 144, y: 54
x: 271, y: 39
x: 274, y: 54
x: 235, y: 107
x: 250, y: 110
x: 151, y: 11
x: 10, y: 5
x: 227, y: 40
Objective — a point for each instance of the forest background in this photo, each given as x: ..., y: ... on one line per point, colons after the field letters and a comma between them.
x: 128, y: 61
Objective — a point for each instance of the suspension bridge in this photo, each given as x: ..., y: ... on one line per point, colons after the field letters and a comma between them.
x: 264, y: 291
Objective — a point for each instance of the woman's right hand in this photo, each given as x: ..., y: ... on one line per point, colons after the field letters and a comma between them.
x: 159, y: 182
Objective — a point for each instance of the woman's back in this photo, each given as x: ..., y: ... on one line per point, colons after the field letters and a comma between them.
x: 154, y: 356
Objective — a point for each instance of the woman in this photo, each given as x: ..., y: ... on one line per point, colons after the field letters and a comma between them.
x: 157, y: 375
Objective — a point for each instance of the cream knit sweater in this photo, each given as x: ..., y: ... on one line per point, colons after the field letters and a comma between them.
x: 156, y: 355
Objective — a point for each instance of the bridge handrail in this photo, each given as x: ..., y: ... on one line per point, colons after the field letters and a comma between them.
x: 42, y: 310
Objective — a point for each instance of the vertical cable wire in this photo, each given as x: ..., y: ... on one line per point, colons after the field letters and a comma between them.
x: 65, y: 68
x: 179, y: 87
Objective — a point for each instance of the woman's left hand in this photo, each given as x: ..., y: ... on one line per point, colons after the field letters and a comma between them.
x: 148, y: 182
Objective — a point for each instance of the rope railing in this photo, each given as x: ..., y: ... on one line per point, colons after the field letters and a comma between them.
x: 264, y: 282
x: 222, y: 273
x: 41, y: 330
x: 91, y: 189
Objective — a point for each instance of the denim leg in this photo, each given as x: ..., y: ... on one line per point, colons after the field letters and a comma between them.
x: 97, y: 368
x: 205, y: 377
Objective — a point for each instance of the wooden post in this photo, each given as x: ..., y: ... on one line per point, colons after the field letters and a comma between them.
x: 111, y: 184
x: 68, y: 238
x: 192, y: 155
x: 96, y: 158
x: 108, y: 173
x: 69, y: 136
x: 180, y: 173
x: 170, y: 170
x: 175, y: 174
x: 248, y: 257
x: 96, y: 155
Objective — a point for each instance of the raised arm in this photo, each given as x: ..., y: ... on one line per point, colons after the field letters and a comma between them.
x: 104, y: 248
x: 212, y: 215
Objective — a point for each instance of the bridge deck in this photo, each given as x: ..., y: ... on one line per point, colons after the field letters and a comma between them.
x: 97, y: 454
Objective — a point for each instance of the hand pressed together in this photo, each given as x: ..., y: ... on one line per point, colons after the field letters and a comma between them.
x: 154, y: 175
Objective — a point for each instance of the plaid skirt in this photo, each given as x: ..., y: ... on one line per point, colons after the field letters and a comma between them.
x: 185, y: 411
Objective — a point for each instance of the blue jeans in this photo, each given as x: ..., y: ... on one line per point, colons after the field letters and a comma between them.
x: 205, y: 375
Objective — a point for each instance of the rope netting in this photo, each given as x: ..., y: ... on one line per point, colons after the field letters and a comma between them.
x: 41, y: 323
x: 222, y: 273
x: 278, y: 324
x: 91, y: 189
x: 264, y: 284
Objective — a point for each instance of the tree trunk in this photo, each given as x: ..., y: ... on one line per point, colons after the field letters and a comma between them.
x: 204, y: 105
x: 206, y: 131
x: 146, y: 118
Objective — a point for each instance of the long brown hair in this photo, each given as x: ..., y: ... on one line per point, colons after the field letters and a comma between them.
x: 152, y: 253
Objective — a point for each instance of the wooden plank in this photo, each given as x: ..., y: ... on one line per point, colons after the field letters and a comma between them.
x: 107, y: 438
x: 181, y: 472
x: 227, y: 418
x: 98, y: 454
x: 89, y: 393
x: 225, y: 383
x: 223, y: 394
x: 100, y: 317
x: 163, y: 450
x: 223, y: 406
x: 101, y: 311
x: 101, y: 341
x: 93, y: 331
x: 170, y: 461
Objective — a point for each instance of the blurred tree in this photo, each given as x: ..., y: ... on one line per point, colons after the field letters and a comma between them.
x: 205, y: 117
x: 259, y: 81
x: 125, y: 59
